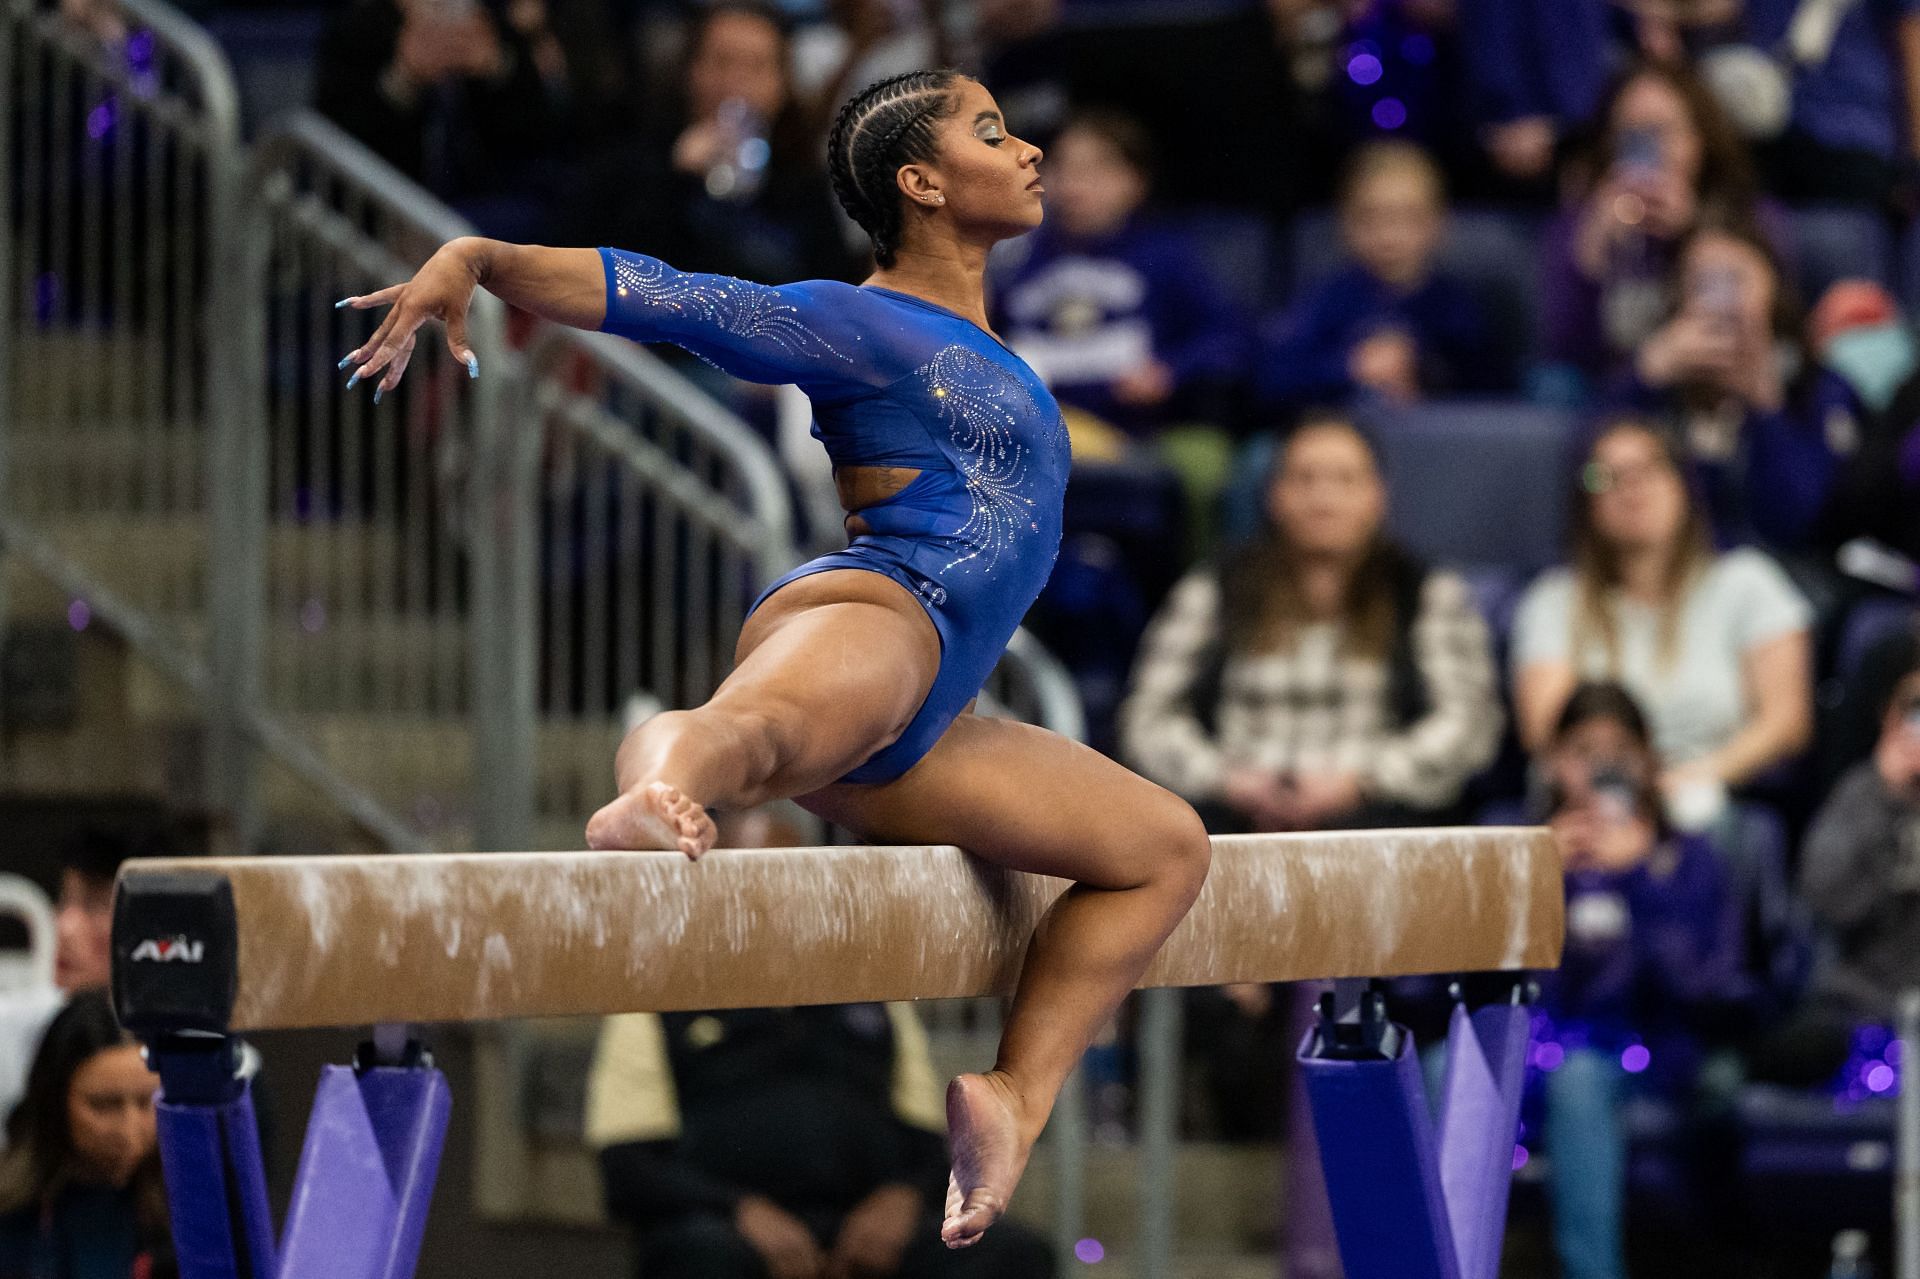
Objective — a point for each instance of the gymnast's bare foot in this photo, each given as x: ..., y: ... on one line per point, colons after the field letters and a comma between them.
x: 653, y: 815
x: 987, y: 1134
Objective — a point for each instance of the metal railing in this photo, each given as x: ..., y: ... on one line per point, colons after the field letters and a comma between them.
x: 434, y: 615
x: 658, y: 516
x: 370, y: 523
x: 119, y: 149
x: 32, y: 970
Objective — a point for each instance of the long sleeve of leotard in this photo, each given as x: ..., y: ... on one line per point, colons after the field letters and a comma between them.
x: 820, y: 335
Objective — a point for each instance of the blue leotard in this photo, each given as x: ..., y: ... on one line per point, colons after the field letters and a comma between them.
x: 895, y: 381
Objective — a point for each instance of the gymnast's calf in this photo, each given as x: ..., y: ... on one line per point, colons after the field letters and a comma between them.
x: 855, y: 674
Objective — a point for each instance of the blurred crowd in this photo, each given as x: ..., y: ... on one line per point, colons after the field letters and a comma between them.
x: 1668, y: 244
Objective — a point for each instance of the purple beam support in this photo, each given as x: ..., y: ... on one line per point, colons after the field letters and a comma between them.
x: 1377, y: 1148
x: 366, y: 1174
x: 1479, y: 1119
x: 210, y: 1156
x: 409, y: 1109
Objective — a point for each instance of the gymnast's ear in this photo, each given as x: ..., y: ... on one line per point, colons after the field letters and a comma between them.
x: 921, y: 185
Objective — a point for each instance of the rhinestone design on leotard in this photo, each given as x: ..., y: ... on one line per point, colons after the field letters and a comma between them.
x: 738, y: 307
x: 982, y: 406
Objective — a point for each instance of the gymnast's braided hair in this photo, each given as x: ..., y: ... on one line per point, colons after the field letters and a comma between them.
x: 885, y: 125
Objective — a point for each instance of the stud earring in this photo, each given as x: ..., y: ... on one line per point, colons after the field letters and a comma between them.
x: 939, y: 199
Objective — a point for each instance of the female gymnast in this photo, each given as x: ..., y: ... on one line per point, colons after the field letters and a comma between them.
x: 855, y: 674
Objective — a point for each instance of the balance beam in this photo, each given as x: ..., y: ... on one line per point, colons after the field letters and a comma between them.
x: 260, y: 943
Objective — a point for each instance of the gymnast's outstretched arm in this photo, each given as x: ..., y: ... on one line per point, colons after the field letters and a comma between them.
x: 802, y: 333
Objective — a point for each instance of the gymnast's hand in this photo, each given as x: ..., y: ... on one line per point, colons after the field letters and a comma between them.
x: 441, y: 290
x: 782, y: 1239
x: 874, y: 1236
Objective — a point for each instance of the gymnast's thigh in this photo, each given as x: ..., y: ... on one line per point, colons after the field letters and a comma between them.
x: 843, y: 658
x: 1023, y: 797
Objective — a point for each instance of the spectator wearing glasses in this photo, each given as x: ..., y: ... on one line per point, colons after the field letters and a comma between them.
x: 1714, y: 645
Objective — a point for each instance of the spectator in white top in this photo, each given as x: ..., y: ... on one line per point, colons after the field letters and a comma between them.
x: 1714, y: 645
x: 1321, y: 676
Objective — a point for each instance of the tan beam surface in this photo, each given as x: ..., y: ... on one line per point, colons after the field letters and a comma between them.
x: 328, y: 941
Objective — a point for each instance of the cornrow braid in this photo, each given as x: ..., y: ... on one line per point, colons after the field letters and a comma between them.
x: 885, y: 125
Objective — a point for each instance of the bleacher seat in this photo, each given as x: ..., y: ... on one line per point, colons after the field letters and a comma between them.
x: 1868, y: 623
x: 1478, y: 484
x: 1450, y: 464
x: 1811, y: 1164
x: 1237, y: 247
x: 1840, y: 242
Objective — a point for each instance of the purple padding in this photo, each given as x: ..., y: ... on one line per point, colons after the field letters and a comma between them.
x: 1377, y: 1147
x: 409, y: 1110
x: 250, y: 1182
x: 340, y: 1223
x: 366, y: 1174
x: 192, y: 1160
x: 1479, y: 1118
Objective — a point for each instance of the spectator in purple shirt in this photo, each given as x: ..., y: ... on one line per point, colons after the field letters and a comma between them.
x: 1391, y: 325
x: 1766, y: 428
x: 1654, y: 946
x: 1667, y: 161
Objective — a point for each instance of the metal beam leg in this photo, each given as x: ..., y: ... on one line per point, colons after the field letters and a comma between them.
x: 366, y: 1173
x: 210, y: 1155
x: 1479, y: 1117
x: 1377, y: 1146
x: 1411, y: 1201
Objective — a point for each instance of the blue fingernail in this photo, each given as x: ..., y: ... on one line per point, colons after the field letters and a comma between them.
x: 342, y: 302
x: 343, y: 364
x: 376, y: 395
x: 473, y: 365
x: 354, y: 378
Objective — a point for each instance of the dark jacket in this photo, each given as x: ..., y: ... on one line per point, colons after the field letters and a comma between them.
x: 1860, y: 874
x: 467, y: 138
x: 1306, y: 349
x: 814, y: 1108
x: 89, y: 1232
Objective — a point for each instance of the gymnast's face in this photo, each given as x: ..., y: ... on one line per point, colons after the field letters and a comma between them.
x: 982, y: 177
x: 110, y: 1114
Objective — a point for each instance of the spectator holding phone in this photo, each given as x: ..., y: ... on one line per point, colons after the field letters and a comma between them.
x: 1653, y: 952
x: 1667, y: 161
x: 463, y: 96
x: 1765, y: 426
x: 1391, y: 326
x: 729, y: 180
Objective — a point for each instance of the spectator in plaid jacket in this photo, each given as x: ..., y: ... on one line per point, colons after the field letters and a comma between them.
x: 1320, y: 677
